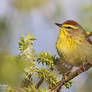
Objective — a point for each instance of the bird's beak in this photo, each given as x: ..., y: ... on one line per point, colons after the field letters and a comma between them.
x: 60, y: 25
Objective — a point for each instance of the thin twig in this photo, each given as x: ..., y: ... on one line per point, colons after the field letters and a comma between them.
x: 26, y: 82
x: 41, y: 80
x: 39, y: 83
x: 85, y: 67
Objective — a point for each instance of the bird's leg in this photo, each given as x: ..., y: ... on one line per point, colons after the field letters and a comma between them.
x: 82, y: 66
x: 69, y: 70
x: 64, y: 76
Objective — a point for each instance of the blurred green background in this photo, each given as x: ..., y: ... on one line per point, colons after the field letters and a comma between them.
x: 18, y: 17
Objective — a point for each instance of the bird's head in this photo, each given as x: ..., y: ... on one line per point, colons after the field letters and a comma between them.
x: 69, y: 25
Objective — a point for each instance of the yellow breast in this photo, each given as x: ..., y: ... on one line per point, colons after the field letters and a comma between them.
x: 65, y: 41
x: 74, y: 49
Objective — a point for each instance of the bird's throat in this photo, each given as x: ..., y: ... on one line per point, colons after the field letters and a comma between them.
x: 65, y: 40
x: 63, y: 33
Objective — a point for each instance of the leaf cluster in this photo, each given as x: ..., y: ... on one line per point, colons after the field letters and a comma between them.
x: 35, y: 66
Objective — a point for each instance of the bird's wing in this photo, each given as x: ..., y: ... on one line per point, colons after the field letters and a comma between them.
x: 89, y: 34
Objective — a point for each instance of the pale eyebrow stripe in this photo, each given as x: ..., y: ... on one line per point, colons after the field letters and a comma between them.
x: 66, y: 25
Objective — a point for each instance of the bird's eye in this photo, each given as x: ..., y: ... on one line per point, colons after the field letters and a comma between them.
x: 68, y: 27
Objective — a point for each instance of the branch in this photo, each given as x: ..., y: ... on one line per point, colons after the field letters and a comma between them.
x: 84, y: 68
x: 39, y: 83
x: 41, y: 80
x: 26, y: 82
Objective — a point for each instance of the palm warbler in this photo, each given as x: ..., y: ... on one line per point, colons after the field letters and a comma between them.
x: 73, y: 45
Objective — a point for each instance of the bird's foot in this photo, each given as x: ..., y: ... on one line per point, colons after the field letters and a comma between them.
x: 82, y: 66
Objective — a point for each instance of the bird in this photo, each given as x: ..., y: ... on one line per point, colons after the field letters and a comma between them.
x: 73, y: 44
